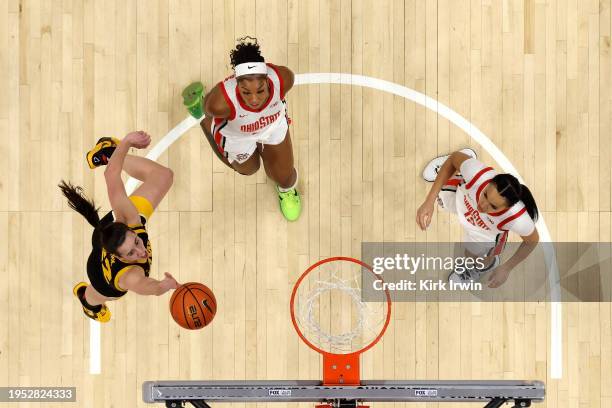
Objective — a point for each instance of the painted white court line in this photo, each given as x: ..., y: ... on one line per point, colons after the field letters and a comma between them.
x: 556, y: 368
x: 163, y: 145
x: 95, y: 354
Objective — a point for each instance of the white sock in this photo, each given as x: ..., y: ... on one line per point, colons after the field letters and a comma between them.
x: 286, y: 190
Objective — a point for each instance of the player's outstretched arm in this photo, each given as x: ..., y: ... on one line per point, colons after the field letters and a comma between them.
x: 448, y: 169
x: 135, y: 280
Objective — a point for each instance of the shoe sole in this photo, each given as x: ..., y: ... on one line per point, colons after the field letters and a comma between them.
x: 467, y: 151
x: 192, y: 99
x: 99, y: 146
x: 448, y: 279
x: 192, y: 94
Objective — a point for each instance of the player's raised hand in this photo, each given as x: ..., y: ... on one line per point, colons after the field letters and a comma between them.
x: 139, y: 139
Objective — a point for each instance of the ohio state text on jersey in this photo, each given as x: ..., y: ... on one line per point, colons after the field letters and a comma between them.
x: 245, y: 122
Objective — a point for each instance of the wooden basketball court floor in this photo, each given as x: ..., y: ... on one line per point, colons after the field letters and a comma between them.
x: 533, y: 75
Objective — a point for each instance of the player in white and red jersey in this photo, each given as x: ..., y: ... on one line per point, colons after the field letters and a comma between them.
x: 246, y: 121
x: 489, y: 205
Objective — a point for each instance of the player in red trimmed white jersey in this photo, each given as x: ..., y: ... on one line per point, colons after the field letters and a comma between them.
x: 489, y: 205
x: 246, y: 121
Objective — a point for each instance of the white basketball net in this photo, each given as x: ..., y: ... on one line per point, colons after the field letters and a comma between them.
x: 330, y: 313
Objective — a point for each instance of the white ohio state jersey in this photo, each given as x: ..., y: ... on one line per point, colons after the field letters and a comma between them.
x: 477, y: 176
x: 248, y: 123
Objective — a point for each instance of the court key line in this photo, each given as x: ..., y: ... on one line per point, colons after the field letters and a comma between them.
x: 556, y: 366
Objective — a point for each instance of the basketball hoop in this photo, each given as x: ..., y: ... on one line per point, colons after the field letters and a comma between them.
x: 325, y: 282
x: 317, y: 296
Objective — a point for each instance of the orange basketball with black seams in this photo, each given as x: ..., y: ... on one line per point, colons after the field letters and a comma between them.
x: 193, y: 305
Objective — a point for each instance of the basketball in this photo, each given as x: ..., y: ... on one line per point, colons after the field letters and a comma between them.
x: 193, y: 305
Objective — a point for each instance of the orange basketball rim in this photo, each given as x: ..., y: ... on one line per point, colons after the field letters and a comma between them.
x: 340, y: 368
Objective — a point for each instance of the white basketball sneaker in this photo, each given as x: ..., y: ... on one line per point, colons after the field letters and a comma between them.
x: 430, y: 172
x: 473, y: 274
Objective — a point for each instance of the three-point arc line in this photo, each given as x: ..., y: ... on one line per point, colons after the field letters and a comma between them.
x: 556, y: 366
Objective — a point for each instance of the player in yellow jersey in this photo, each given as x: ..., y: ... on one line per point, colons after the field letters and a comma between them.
x: 121, y: 254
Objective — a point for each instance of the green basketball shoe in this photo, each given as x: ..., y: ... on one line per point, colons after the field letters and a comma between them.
x: 290, y: 204
x: 192, y: 99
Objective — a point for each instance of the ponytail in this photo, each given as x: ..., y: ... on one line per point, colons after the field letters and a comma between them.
x: 110, y: 236
x: 513, y: 191
x: 78, y: 202
x: 529, y: 201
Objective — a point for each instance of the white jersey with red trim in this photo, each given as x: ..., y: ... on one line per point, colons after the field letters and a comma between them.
x: 247, y: 123
x: 477, y: 176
